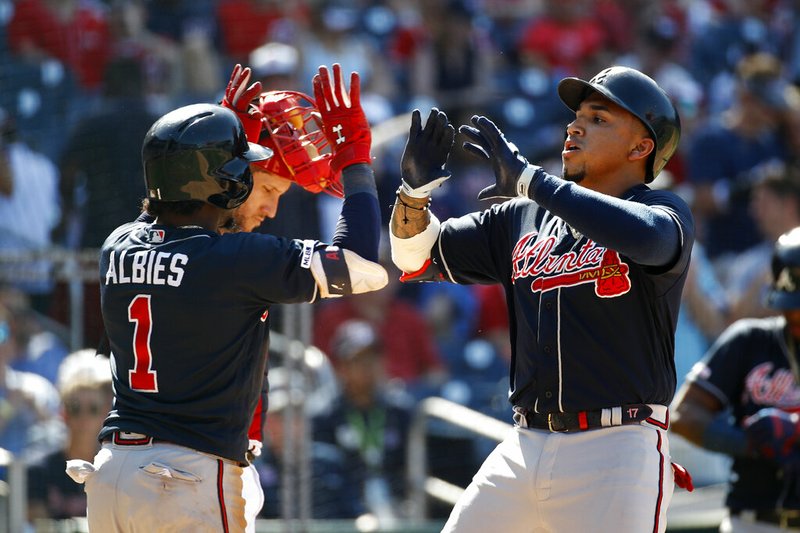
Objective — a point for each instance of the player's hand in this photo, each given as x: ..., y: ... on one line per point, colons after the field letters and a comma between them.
x: 425, y: 154
x: 239, y: 98
x: 344, y: 122
x: 773, y: 434
x: 513, y: 174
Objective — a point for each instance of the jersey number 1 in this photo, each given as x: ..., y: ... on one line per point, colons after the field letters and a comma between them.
x: 142, y: 377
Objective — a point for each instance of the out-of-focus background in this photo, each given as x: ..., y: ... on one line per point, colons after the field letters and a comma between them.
x: 383, y: 404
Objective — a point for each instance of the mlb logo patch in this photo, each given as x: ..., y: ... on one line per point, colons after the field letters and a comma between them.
x: 157, y: 235
x: 307, y: 253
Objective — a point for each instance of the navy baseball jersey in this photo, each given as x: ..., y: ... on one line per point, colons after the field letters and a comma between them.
x: 747, y: 369
x: 187, y: 315
x: 590, y: 327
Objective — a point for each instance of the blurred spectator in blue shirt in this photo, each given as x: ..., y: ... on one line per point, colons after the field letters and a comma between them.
x: 29, y: 211
x: 723, y: 151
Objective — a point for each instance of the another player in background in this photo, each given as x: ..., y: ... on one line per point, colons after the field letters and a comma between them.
x: 743, y: 400
x: 289, y: 124
x: 187, y: 313
x: 593, y: 265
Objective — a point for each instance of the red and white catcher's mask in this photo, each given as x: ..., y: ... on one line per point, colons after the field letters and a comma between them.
x: 292, y: 128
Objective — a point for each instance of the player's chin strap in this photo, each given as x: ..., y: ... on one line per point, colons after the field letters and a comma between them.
x: 341, y: 272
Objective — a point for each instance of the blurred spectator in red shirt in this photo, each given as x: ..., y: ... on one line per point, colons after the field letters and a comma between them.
x: 247, y: 24
x: 566, y: 38
x: 76, y: 33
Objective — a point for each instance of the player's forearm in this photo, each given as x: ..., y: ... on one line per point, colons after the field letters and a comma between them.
x: 413, y: 232
x: 410, y: 216
x: 358, y: 228
x: 646, y: 234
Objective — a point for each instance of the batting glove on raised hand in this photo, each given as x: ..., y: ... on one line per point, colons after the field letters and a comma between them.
x: 425, y: 154
x: 513, y: 174
x: 239, y: 98
x: 343, y: 121
x: 773, y: 434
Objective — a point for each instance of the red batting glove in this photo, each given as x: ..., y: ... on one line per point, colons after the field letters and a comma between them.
x: 682, y: 477
x: 344, y: 122
x: 239, y: 98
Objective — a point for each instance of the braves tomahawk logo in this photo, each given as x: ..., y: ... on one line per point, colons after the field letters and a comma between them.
x: 534, y: 258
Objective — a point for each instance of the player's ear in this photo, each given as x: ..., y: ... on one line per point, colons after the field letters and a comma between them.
x: 642, y: 149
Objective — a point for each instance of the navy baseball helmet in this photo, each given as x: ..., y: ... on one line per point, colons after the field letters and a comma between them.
x: 784, y: 293
x: 641, y: 96
x: 200, y: 152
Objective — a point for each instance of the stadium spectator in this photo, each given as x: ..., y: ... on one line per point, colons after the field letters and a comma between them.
x: 369, y: 421
x: 29, y: 211
x: 76, y: 33
x: 334, y: 489
x: 28, y: 402
x: 775, y: 207
x: 410, y: 351
x: 564, y: 40
x: 454, y: 65
x: 726, y: 148
x: 84, y: 386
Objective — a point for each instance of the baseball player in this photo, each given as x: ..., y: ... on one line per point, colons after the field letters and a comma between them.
x: 593, y: 264
x: 187, y: 313
x: 289, y: 124
x: 743, y: 400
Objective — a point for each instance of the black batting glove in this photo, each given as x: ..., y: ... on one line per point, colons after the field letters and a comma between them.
x: 513, y: 174
x: 422, y: 166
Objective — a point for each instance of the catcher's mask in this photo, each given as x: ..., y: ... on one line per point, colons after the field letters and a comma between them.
x: 200, y: 152
x: 638, y: 94
x: 784, y: 293
x: 292, y: 128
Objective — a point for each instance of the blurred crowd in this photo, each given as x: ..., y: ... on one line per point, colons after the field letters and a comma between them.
x: 81, y: 81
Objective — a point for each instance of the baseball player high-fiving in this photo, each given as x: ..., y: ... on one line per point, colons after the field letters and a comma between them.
x: 186, y: 310
x: 593, y: 264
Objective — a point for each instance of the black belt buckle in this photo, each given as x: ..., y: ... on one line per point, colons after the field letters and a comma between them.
x: 555, y: 424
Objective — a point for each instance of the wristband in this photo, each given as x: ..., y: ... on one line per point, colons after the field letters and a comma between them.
x: 423, y: 191
x: 524, y: 180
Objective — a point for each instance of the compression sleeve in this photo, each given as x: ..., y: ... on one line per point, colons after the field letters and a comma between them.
x: 359, y: 226
x: 646, y: 234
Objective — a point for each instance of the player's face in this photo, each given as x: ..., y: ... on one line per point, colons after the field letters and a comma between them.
x: 263, y: 200
x: 600, y: 141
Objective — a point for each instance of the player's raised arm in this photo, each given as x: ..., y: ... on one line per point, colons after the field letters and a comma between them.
x: 650, y: 235
x: 349, y: 265
x: 414, y: 228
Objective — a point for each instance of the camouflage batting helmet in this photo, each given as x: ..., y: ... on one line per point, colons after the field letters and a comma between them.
x: 200, y: 152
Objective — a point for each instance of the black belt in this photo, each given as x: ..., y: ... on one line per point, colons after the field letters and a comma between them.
x: 124, y: 438
x: 582, y: 420
x: 786, y: 518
